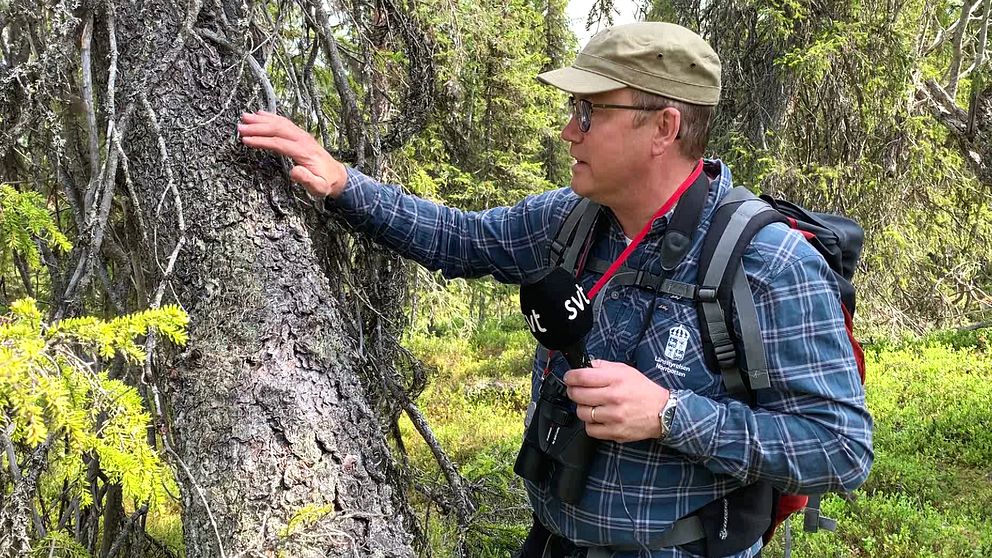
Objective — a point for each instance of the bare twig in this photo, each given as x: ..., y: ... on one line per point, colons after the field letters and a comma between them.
x: 315, y: 98
x: 983, y: 35
x: 954, y: 72
x: 112, y: 69
x: 463, y: 503
x: 6, y: 433
x: 132, y: 193
x: 25, y: 273
x: 943, y: 33
x: 263, y: 79
x: 349, y: 103
x: 26, y: 480
x: 176, y: 200
x: 199, y: 491
x: 126, y: 529
x: 97, y: 223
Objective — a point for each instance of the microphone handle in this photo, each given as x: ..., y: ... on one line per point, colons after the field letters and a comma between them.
x: 576, y: 356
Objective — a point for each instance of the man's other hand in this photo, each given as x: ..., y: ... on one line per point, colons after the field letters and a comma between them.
x: 626, y: 402
x: 318, y: 172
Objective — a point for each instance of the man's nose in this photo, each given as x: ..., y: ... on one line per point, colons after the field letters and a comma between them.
x: 571, y: 132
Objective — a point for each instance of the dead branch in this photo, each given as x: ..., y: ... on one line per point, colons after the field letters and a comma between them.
x: 86, y: 88
x: 97, y: 225
x: 349, y: 103
x: 983, y: 36
x: 126, y: 529
x: 953, y: 28
x: 954, y: 71
x: 176, y: 200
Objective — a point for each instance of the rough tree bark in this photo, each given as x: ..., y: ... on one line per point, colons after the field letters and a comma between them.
x: 268, y: 419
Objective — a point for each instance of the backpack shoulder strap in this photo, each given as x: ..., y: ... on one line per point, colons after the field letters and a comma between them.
x: 722, y: 284
x: 573, y: 235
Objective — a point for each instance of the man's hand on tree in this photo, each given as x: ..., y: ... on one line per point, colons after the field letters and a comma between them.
x: 626, y: 402
x: 318, y: 172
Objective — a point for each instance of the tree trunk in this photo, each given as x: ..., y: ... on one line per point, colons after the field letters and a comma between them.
x: 275, y: 443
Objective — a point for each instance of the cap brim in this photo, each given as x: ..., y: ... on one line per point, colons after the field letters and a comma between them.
x: 574, y: 80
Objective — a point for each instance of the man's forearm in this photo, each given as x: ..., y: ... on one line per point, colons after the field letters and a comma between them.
x: 796, y: 453
x: 509, y: 243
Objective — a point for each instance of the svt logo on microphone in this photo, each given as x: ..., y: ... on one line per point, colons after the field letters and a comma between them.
x: 534, y: 322
x: 576, y: 303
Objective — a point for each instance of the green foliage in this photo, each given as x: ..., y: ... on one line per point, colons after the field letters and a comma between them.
x: 59, y: 544
x: 849, y: 132
x: 488, y: 147
x: 475, y: 404
x: 24, y: 217
x: 48, y: 390
x: 927, y: 495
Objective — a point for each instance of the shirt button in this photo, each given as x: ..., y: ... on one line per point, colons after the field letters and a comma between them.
x: 615, y: 295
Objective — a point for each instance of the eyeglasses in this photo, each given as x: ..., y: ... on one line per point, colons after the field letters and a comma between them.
x: 582, y: 111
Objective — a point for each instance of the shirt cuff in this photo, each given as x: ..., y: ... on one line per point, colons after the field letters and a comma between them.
x: 696, y: 419
x: 359, y: 197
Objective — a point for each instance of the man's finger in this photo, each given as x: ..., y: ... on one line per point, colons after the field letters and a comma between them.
x: 271, y: 125
x: 585, y: 395
x: 268, y: 129
x: 275, y: 130
x: 278, y: 145
x: 598, y: 430
x: 257, y: 118
x: 586, y: 377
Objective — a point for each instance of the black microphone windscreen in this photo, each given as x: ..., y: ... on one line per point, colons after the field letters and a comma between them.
x: 556, y: 308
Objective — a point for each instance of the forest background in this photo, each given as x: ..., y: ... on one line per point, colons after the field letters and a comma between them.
x: 195, y: 360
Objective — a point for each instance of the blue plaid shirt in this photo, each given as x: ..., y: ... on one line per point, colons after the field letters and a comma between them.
x: 809, y: 433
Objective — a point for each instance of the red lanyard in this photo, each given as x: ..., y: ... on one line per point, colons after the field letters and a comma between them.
x: 626, y: 253
x: 637, y: 240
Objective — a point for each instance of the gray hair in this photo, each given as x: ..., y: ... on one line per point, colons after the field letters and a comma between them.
x: 694, y: 132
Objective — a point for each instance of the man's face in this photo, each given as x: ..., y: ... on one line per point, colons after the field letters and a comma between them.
x: 611, y: 156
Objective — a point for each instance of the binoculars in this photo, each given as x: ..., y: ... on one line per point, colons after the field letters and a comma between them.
x: 556, y: 444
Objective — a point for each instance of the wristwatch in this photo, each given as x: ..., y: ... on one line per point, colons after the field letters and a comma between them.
x: 667, y: 415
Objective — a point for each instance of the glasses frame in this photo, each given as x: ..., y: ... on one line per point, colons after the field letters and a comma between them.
x: 582, y: 112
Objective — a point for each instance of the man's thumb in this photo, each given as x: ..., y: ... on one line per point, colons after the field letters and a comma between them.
x: 314, y: 184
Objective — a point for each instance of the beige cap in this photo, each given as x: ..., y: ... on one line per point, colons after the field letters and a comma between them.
x: 661, y: 58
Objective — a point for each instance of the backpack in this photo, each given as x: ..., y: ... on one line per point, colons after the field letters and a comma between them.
x: 721, y: 288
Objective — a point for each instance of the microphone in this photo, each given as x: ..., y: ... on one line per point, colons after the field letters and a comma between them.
x: 556, y: 448
x: 559, y: 314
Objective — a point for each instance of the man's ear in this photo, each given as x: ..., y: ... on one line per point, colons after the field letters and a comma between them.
x: 667, y: 123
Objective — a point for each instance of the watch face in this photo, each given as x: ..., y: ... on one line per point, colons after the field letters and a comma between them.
x: 669, y: 417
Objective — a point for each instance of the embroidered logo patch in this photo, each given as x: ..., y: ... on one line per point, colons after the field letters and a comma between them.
x: 678, y: 340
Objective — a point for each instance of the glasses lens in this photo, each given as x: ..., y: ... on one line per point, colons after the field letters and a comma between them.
x: 584, y: 115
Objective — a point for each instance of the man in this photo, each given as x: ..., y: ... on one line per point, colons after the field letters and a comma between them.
x: 674, y: 442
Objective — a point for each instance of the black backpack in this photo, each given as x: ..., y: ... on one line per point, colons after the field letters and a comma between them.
x: 721, y: 287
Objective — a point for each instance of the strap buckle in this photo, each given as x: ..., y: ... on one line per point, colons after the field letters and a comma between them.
x: 814, y: 520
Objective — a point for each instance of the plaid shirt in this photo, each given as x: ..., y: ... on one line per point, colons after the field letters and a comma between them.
x: 809, y: 433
